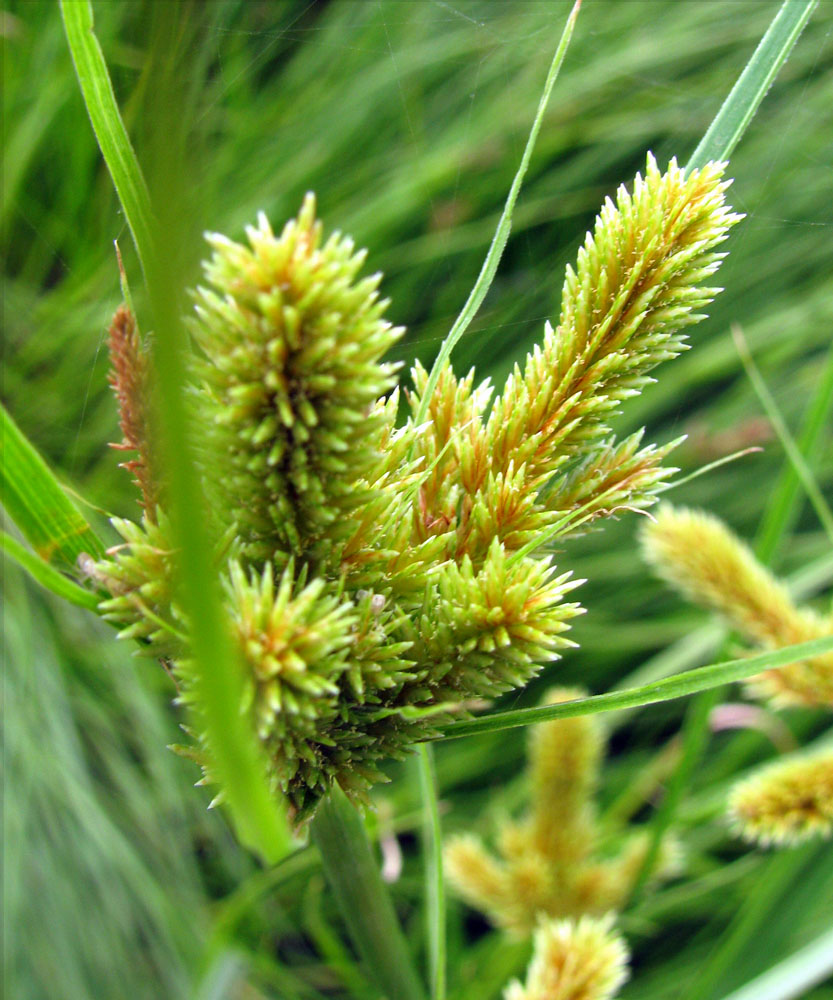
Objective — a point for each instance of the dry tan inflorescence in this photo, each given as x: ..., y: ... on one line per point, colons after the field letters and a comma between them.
x: 699, y: 556
x: 786, y: 802
x: 792, y: 799
x: 555, y: 861
x: 377, y: 576
x: 574, y: 960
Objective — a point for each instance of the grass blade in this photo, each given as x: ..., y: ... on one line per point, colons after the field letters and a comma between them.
x: 796, y: 458
x: 432, y: 846
x: 791, y: 978
x: 37, y: 503
x: 490, y: 264
x: 362, y: 897
x: 695, y: 736
x: 782, y: 505
x: 217, y: 679
x: 47, y: 576
x: 107, y: 123
x: 744, y: 99
x: 678, y: 686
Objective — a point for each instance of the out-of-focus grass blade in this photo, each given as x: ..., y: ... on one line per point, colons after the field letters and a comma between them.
x: 239, y: 768
x: 362, y: 897
x: 792, y: 977
x: 38, y: 505
x: 432, y: 848
x: 800, y: 467
x: 744, y: 99
x: 782, y: 505
x: 107, y: 123
x: 690, y: 682
x: 46, y: 575
x: 490, y: 264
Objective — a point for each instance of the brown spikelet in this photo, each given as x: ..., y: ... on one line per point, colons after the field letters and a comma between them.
x: 129, y: 378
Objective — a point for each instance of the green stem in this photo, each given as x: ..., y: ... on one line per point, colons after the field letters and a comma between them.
x: 91, y: 70
x: 432, y: 847
x: 678, y: 686
x: 695, y: 739
x: 490, y: 264
x: 217, y: 680
x: 363, y: 898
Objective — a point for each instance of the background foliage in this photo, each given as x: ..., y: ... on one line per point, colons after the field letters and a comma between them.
x: 408, y: 120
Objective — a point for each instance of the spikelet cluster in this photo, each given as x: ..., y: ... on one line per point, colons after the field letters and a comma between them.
x: 293, y: 342
x: 574, y: 960
x: 786, y: 802
x: 698, y: 555
x: 553, y: 862
x: 380, y: 575
x: 543, y: 453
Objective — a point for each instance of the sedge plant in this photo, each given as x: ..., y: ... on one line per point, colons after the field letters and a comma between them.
x: 381, y: 577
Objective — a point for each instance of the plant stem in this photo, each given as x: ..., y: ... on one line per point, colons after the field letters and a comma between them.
x: 363, y: 898
x: 782, y: 505
x: 434, y: 885
x: 499, y: 240
x: 678, y: 686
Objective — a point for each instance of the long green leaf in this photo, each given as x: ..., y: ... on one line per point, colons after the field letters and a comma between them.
x: 690, y: 682
x: 794, y: 454
x: 499, y: 240
x: 217, y: 680
x: 432, y: 847
x: 791, y: 978
x: 107, y: 123
x: 744, y: 99
x: 47, y: 576
x: 37, y: 503
x: 783, y: 499
x: 363, y: 898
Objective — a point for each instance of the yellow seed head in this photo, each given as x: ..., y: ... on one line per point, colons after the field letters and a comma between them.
x: 584, y: 960
x: 787, y: 802
x: 700, y: 557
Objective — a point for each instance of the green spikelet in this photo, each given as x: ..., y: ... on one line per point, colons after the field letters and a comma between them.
x: 485, y: 632
x: 139, y: 576
x: 292, y: 342
x: 638, y: 283
x: 640, y: 280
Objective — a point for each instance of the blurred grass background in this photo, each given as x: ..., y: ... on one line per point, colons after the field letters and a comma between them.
x: 408, y: 120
